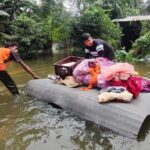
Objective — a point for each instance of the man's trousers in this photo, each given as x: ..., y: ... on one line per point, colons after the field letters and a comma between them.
x: 8, y: 82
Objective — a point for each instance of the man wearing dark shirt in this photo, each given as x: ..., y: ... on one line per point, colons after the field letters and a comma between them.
x: 8, y: 54
x: 96, y: 48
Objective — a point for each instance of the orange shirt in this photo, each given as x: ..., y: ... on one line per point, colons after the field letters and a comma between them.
x: 4, y: 55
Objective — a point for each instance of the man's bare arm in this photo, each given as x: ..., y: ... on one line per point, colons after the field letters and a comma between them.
x: 28, y: 69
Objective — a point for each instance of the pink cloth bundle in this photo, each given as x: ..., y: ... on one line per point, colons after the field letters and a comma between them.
x: 81, y: 72
x: 109, y: 72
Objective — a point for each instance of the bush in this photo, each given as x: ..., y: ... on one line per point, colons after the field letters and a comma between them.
x: 145, y: 27
x: 96, y: 22
x: 122, y: 55
x: 29, y: 35
x: 78, y: 52
x: 142, y: 45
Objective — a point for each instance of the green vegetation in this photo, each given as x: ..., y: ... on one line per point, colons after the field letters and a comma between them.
x: 95, y: 21
x: 122, y: 55
x: 37, y: 26
x: 145, y: 27
x: 142, y: 45
x: 30, y: 35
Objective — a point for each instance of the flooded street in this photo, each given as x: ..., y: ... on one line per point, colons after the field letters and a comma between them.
x: 31, y: 124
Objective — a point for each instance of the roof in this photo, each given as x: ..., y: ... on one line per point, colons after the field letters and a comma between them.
x: 132, y: 18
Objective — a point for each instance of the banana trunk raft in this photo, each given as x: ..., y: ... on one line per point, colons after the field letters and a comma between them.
x: 124, y: 118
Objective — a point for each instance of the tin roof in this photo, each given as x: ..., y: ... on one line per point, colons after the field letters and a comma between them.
x: 132, y: 18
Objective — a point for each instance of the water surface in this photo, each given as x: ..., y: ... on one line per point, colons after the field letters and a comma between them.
x: 32, y: 124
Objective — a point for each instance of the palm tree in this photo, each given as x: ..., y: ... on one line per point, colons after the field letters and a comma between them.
x: 3, y: 13
x: 9, y: 9
x: 122, y: 8
x: 14, y: 7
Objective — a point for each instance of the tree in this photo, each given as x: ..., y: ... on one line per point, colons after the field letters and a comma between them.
x: 14, y: 7
x: 95, y: 21
x: 147, y: 7
x: 122, y: 8
x: 56, y: 19
x: 114, y: 8
x: 29, y: 35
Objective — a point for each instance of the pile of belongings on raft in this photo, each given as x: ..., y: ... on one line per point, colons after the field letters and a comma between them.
x: 117, y: 81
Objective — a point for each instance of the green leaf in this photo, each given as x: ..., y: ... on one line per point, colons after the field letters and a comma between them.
x: 3, y: 13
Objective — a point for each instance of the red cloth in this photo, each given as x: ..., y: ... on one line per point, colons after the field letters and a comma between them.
x: 133, y: 84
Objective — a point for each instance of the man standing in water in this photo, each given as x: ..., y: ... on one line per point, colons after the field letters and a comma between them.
x: 10, y: 52
x: 96, y: 47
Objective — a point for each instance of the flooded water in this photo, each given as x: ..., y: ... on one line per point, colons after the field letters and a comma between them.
x: 31, y: 124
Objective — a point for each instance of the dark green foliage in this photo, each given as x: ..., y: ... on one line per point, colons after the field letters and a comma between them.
x: 30, y: 36
x: 122, y: 8
x: 145, y: 27
x: 78, y: 52
x: 15, y: 7
x: 96, y: 22
x: 122, y: 55
x: 50, y: 22
x: 142, y: 45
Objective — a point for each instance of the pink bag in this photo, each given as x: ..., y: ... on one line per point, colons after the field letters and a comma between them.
x: 81, y: 72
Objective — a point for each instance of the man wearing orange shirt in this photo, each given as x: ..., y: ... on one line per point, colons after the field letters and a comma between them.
x: 7, y: 54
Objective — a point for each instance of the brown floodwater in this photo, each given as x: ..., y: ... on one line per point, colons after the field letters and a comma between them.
x: 32, y: 124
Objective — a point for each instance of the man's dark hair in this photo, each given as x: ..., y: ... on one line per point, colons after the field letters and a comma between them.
x: 11, y: 44
x: 85, y: 36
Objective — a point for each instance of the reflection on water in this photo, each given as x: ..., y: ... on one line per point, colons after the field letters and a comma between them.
x: 143, y: 69
x: 34, y: 125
